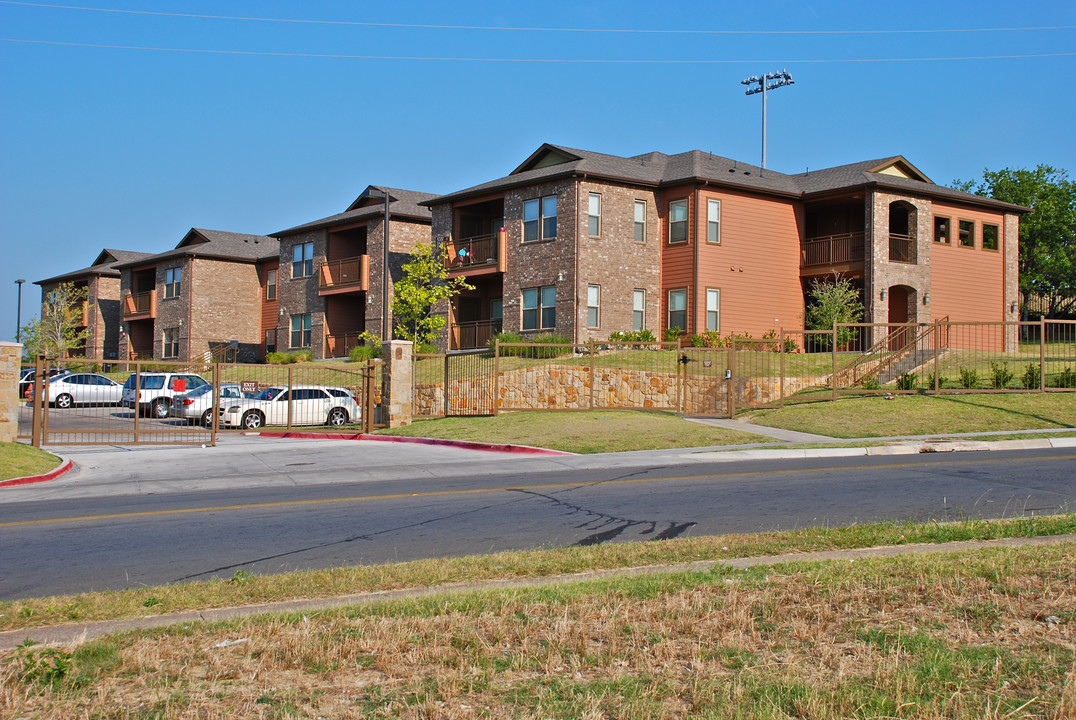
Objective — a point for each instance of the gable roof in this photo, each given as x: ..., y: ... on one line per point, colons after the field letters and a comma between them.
x: 218, y: 244
x: 370, y: 204
x: 105, y: 265
x: 656, y: 169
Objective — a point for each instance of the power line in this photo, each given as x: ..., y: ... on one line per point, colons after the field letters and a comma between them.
x: 432, y: 58
x: 430, y: 26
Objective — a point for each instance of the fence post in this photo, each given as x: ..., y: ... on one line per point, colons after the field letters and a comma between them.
x: 781, y: 380
x: 937, y: 366
x: 593, y: 347
x: 368, y: 396
x: 1042, y: 354
x: 446, y: 386
x: 496, y: 375
x: 39, y: 393
x: 681, y: 384
x: 833, y: 369
x: 137, y: 396
x: 730, y: 391
x: 289, y: 398
x: 214, y: 426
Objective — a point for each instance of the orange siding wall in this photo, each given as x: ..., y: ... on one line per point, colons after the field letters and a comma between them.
x: 967, y: 284
x: 677, y: 261
x: 756, y: 266
x: 269, y: 308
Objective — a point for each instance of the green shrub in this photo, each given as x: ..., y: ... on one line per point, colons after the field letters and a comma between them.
x: 969, y: 378
x: 289, y: 358
x: 426, y: 349
x: 907, y: 381
x: 557, y: 345
x: 870, y: 383
x: 361, y: 353
x: 1001, y: 375
x: 671, y: 334
x: 790, y: 345
x: 941, y: 381
x: 632, y: 336
x: 504, y: 337
x: 771, y: 344
x: 1065, y: 379
x: 1032, y: 376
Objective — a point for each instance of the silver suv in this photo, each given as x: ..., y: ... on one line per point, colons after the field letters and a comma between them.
x: 156, y: 391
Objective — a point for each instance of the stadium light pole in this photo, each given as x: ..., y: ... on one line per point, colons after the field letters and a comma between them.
x: 761, y: 84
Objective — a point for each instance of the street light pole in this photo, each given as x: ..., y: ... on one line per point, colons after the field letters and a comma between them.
x: 18, y: 312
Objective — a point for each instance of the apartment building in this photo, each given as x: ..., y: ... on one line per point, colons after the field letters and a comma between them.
x: 211, y: 297
x: 583, y: 244
x: 331, y: 284
x: 100, y: 311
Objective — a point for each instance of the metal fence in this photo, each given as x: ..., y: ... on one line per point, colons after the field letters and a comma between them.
x: 76, y: 402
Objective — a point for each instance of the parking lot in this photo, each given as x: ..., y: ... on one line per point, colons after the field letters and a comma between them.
x: 110, y: 424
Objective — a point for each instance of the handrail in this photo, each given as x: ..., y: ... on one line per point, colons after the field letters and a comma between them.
x: 893, y: 356
x: 473, y: 251
x: 831, y: 249
x: 344, y: 272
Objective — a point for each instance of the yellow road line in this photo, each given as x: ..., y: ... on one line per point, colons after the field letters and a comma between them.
x: 476, y: 491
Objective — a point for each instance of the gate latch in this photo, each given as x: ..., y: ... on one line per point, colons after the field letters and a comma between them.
x: 684, y: 359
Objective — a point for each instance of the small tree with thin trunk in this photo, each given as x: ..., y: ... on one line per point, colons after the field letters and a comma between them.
x: 58, y: 331
x: 834, y: 301
x: 424, y: 284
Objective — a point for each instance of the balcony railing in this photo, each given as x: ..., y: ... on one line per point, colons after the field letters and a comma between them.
x: 341, y: 345
x: 353, y: 273
x: 470, y: 335
x: 832, y: 249
x: 140, y: 305
x: 901, y: 248
x: 479, y: 251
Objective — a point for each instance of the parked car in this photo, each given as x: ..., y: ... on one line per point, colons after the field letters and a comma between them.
x: 196, y: 406
x: 157, y: 390
x: 26, y: 379
x: 64, y: 391
x: 310, y: 405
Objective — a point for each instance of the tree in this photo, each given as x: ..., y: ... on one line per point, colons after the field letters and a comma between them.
x: 57, y: 332
x: 1047, y: 234
x: 834, y: 301
x: 424, y: 284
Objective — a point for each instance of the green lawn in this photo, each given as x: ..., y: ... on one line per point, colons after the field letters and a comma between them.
x: 18, y: 460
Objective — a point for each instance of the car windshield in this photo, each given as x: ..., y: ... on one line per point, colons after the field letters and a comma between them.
x: 200, y: 390
x: 268, y: 393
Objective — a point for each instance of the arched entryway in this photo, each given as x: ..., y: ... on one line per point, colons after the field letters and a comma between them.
x: 902, y: 309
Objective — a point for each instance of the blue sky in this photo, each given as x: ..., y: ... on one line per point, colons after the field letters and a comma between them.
x: 240, y: 125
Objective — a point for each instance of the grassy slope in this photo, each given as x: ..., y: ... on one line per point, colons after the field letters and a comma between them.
x: 18, y: 460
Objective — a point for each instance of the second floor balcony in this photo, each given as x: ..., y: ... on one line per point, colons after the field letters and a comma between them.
x: 476, y: 253
x: 902, y: 248
x: 841, y: 249
x: 140, y: 306
x: 472, y: 335
x: 342, y: 276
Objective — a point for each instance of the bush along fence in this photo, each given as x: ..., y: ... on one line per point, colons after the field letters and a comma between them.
x: 717, y: 376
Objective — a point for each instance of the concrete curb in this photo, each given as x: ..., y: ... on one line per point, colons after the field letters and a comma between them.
x: 465, y: 444
x: 81, y: 632
x: 30, y: 479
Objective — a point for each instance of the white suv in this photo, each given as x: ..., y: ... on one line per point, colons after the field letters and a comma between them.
x: 156, y: 391
x: 310, y: 405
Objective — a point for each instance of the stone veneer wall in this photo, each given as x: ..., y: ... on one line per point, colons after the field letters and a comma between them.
x: 10, y: 362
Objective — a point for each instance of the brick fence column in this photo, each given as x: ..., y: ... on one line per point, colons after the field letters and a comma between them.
x: 396, y: 383
x: 10, y: 359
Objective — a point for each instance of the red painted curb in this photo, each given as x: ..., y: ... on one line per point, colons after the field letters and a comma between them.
x: 64, y: 467
x: 466, y: 444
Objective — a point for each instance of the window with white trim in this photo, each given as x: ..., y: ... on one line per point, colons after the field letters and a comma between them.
x: 270, y: 285
x: 713, y: 310
x: 678, y: 221
x: 540, y: 219
x: 594, y: 214
x: 172, y: 279
x: 594, y: 295
x: 640, y: 221
x: 540, y: 308
x: 302, y: 260
x: 638, y: 309
x: 300, y: 331
x: 713, y: 221
x: 678, y: 309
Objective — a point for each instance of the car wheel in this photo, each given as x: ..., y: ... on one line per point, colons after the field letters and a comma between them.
x: 207, y: 419
x: 65, y: 401
x: 337, y: 416
x: 252, y: 420
x: 161, y: 406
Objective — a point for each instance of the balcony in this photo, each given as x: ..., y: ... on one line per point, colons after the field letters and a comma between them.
x: 476, y: 253
x: 350, y: 275
x: 337, y: 346
x: 842, y: 249
x: 471, y: 335
x: 140, y: 306
x: 901, y: 248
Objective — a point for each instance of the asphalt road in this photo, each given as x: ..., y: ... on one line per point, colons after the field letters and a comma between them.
x: 326, y: 504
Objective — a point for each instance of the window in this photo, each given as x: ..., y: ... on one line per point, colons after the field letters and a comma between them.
x: 270, y: 285
x: 678, y: 221
x: 300, y: 331
x: 638, y: 309
x: 302, y: 260
x: 594, y: 295
x: 540, y: 219
x: 941, y: 230
x: 594, y: 214
x: 678, y: 309
x: 540, y: 308
x: 170, y: 346
x: 967, y: 233
x: 713, y: 221
x: 990, y: 237
x: 713, y: 310
x: 172, y: 278
x: 496, y: 315
x: 640, y: 221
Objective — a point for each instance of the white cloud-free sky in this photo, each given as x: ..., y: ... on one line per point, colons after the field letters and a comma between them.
x: 127, y: 122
